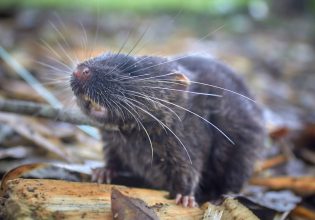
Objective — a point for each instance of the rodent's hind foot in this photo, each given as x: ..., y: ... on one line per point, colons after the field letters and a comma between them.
x: 186, y: 201
x: 102, y: 175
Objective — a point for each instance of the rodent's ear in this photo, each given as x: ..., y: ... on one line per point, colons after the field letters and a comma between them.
x: 181, y: 78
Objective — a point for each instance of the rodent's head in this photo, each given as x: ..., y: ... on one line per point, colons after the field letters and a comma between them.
x: 119, y: 89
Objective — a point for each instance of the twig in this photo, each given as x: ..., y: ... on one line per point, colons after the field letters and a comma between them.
x: 48, y: 112
x: 270, y: 163
x: 303, y: 212
x: 302, y: 185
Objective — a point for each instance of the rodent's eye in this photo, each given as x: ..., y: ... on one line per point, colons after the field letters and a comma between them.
x: 86, y: 71
x: 82, y: 73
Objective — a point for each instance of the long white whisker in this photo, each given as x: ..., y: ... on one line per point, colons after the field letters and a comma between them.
x: 185, y: 109
x: 228, y: 90
x: 65, y: 41
x: 61, y: 63
x: 52, y: 67
x: 73, y: 62
x: 154, y: 101
x: 197, y: 41
x: 83, y: 40
x: 49, y: 48
x: 186, y: 91
x: 155, y: 65
x: 138, y: 103
x: 199, y: 83
x: 171, y: 21
x: 119, y: 109
x: 145, y: 130
x: 164, y: 125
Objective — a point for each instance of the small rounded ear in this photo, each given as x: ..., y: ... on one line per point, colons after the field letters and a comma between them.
x: 181, y: 78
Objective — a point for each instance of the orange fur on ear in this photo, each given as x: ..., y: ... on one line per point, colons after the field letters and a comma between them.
x: 182, y: 78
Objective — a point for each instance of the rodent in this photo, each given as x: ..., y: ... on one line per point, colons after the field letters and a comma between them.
x: 172, y: 133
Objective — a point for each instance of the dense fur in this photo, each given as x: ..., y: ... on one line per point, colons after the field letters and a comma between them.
x: 124, y: 85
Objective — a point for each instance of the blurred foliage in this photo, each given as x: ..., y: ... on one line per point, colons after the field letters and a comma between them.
x: 214, y: 6
x: 211, y: 6
x: 257, y: 8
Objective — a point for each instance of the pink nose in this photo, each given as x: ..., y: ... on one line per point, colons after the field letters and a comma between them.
x: 82, y: 73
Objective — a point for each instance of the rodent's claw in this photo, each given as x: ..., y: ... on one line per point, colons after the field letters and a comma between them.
x: 102, y: 175
x: 186, y: 201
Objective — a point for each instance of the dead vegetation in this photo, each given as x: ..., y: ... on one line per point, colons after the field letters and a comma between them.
x: 281, y: 187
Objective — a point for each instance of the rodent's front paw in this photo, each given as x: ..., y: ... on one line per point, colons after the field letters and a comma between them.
x: 102, y: 175
x: 186, y: 201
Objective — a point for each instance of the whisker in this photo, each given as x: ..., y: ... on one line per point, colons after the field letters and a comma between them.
x: 155, y: 65
x: 61, y: 63
x: 186, y: 91
x: 134, y: 46
x: 64, y: 40
x: 199, y: 40
x: 73, y: 62
x: 144, y: 44
x: 56, y: 82
x: 170, y: 130
x: 139, y: 40
x: 84, y: 40
x: 49, y: 48
x: 159, y: 103
x: 124, y: 43
x: 96, y: 30
x: 218, y: 87
x: 143, y: 127
x: 104, y: 100
x: 185, y: 109
x: 116, y: 55
x: 147, y: 133
x: 51, y: 67
x: 119, y: 109
x: 142, y: 104
x: 195, y: 82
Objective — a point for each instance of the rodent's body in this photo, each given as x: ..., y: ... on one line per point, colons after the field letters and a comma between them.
x: 217, y: 166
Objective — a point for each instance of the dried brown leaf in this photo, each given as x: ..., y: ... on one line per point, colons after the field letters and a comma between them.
x: 127, y: 208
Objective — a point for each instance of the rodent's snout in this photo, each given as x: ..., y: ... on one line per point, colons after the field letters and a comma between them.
x: 81, y: 73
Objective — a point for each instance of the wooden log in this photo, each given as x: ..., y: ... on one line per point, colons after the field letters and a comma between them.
x: 55, y: 199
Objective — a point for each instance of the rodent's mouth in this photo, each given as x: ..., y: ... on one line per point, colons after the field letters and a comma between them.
x: 93, y: 108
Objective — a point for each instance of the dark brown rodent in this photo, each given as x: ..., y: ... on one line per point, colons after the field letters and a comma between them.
x: 172, y: 132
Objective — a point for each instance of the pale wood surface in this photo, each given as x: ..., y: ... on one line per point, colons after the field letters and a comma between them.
x: 55, y: 199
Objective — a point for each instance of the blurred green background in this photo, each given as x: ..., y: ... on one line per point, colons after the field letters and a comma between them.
x: 197, y: 6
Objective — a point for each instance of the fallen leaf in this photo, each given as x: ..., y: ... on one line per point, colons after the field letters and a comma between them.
x: 127, y: 208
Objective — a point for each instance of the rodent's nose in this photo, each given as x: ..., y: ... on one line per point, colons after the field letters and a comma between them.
x: 82, y: 73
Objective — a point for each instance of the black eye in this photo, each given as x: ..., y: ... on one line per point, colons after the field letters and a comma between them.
x: 86, y: 71
x: 82, y: 73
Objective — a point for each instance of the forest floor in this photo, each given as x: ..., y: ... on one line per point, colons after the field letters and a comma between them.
x: 276, y: 58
